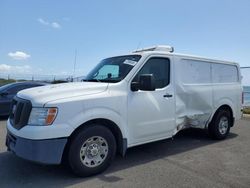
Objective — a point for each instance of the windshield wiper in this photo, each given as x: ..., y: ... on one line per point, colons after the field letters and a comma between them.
x: 91, y: 80
x: 110, y: 81
x: 104, y: 80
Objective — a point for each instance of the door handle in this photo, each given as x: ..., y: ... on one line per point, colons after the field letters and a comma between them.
x: 168, y: 95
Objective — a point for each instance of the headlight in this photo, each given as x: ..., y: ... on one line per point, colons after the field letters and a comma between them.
x: 42, y: 116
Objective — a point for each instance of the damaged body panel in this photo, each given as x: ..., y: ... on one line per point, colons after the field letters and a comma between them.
x: 194, y: 103
x: 201, y: 89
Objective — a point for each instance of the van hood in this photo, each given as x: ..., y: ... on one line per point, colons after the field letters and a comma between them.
x: 44, y: 94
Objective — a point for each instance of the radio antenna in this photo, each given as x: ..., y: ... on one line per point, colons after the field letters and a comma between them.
x: 138, y: 46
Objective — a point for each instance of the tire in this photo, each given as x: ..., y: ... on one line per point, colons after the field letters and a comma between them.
x: 91, y: 150
x: 220, y: 125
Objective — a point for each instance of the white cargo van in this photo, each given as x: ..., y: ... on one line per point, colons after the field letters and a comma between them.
x: 148, y: 95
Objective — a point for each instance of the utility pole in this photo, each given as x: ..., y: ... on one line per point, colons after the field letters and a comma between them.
x: 74, y: 65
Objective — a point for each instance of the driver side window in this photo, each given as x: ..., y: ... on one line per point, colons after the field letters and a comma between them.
x: 160, y: 68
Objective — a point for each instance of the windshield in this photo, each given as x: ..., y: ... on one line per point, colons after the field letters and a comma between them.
x: 113, y: 69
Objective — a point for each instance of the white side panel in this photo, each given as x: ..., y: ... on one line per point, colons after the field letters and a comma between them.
x: 193, y: 93
x: 195, y: 72
x: 202, y: 87
x: 226, y: 87
x: 222, y: 73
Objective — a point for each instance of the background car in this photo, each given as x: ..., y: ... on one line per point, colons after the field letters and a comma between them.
x: 7, y: 93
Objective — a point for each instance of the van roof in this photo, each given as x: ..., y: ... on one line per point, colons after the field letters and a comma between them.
x: 184, y: 56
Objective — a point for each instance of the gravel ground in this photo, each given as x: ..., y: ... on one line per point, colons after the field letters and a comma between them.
x: 191, y: 159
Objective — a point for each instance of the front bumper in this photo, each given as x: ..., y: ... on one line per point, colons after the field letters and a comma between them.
x: 48, y: 151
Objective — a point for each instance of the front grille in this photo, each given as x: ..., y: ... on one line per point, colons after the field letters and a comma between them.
x: 20, y: 112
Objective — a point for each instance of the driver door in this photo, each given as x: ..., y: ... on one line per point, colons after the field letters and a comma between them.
x: 151, y: 114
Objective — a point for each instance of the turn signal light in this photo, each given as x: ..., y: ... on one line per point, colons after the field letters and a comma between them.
x: 51, y: 115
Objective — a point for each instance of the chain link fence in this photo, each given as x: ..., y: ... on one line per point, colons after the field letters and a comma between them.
x: 35, y: 77
x: 9, y: 78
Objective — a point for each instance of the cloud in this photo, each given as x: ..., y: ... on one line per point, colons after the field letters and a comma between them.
x: 4, y: 67
x: 42, y: 21
x: 15, y: 69
x: 18, y: 55
x: 54, y: 25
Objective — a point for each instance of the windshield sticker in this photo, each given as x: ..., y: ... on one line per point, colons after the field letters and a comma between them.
x: 129, y: 62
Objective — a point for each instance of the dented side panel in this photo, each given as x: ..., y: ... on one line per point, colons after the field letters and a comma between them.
x: 194, y: 97
x: 201, y: 88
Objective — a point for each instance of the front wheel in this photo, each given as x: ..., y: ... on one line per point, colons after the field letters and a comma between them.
x: 220, y: 125
x: 91, y: 150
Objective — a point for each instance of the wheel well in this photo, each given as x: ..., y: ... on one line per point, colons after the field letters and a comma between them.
x: 106, y: 123
x: 227, y: 108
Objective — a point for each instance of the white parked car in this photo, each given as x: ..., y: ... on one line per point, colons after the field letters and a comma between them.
x: 148, y: 95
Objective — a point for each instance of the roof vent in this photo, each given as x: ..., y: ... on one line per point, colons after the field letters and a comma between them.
x: 162, y: 48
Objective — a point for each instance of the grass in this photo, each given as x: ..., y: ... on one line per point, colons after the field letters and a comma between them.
x: 246, y: 110
x: 3, y: 81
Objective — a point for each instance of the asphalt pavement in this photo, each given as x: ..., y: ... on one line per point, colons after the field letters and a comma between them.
x: 191, y: 159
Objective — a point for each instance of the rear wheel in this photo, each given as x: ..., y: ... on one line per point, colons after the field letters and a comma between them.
x: 220, y: 125
x: 91, y: 151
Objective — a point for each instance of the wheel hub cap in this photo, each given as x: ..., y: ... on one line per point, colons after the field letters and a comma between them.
x: 94, y: 151
x: 223, y: 125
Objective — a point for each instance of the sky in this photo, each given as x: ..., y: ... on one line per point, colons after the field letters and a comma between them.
x: 41, y: 37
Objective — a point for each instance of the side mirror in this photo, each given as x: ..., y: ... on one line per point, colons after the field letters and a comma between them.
x: 146, y: 83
